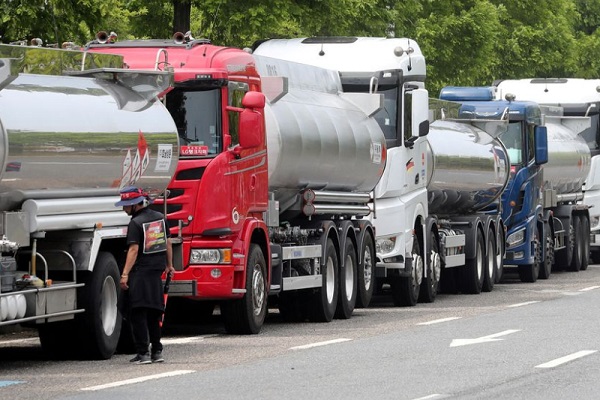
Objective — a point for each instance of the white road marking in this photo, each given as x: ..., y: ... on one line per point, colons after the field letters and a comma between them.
x: 483, y: 339
x: 183, y: 340
x: 308, y: 346
x: 434, y: 396
x: 566, y: 359
x: 438, y: 321
x: 587, y: 289
x: 17, y: 341
x: 138, y: 380
x: 523, y: 304
x: 571, y: 293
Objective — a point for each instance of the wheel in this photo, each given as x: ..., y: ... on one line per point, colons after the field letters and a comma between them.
x: 347, y: 282
x: 366, y: 272
x: 405, y: 289
x: 585, y: 236
x: 564, y: 257
x: 324, y: 299
x: 247, y: 315
x: 101, y: 321
x: 500, y: 252
x: 471, y: 281
x: 546, y: 264
x: 530, y: 272
x: 489, y: 277
x: 430, y: 284
x: 578, y: 245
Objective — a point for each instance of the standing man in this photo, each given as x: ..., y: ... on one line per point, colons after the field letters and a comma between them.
x: 149, y: 255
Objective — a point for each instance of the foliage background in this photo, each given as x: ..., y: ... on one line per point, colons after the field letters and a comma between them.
x: 465, y: 42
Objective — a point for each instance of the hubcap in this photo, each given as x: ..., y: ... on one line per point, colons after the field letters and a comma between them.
x: 330, y: 280
x: 258, y: 290
x: 108, y: 306
x: 368, y: 268
x: 418, y: 269
x: 349, y: 277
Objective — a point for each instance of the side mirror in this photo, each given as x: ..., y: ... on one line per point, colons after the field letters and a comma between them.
x: 541, y: 145
x: 251, y: 125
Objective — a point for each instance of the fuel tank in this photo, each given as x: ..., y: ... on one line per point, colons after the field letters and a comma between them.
x: 67, y: 136
x: 317, y: 138
x: 468, y: 168
x: 569, y: 159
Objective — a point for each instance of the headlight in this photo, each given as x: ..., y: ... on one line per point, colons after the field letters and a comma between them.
x: 210, y: 256
x: 516, y: 238
x: 386, y: 245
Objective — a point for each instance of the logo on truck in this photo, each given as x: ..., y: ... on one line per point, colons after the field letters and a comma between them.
x: 135, y: 166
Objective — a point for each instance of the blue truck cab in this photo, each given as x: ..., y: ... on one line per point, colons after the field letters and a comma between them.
x: 528, y: 224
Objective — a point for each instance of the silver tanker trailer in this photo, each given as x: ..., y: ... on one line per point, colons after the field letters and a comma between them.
x: 70, y: 140
x: 468, y: 172
x: 447, y: 172
x: 326, y: 154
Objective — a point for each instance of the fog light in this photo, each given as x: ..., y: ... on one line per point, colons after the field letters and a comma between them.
x: 215, y: 273
x: 519, y: 254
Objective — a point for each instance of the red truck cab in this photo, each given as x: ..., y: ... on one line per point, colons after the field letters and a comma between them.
x: 217, y: 198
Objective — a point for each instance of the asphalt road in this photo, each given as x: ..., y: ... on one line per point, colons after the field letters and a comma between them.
x: 534, y: 341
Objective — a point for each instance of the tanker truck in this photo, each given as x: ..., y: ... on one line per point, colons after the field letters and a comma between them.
x: 75, y: 129
x: 577, y: 98
x: 546, y: 223
x: 572, y: 103
x: 427, y: 203
x: 273, y: 184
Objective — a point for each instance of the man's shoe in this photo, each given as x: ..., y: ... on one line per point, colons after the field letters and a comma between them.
x: 141, y: 359
x: 157, y: 357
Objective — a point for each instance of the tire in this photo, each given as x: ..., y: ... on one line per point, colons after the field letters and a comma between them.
x: 101, y: 321
x: 366, y: 272
x: 578, y: 245
x: 530, y: 272
x: 546, y: 264
x: 405, y: 290
x: 246, y: 316
x: 474, y: 270
x: 430, y: 284
x: 324, y: 299
x: 347, y: 282
x: 585, y: 227
x: 564, y: 257
x: 489, y: 277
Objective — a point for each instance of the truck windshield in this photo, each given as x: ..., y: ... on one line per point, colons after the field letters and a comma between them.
x: 386, y: 117
x: 513, y: 141
x: 196, y: 115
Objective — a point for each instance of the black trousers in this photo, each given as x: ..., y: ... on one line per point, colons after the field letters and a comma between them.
x: 145, y: 323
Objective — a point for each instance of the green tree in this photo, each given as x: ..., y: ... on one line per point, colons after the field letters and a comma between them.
x: 458, y: 39
x: 58, y: 21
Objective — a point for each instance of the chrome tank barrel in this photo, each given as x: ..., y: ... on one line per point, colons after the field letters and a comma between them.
x: 316, y: 138
x: 569, y: 159
x: 65, y: 137
x: 468, y: 168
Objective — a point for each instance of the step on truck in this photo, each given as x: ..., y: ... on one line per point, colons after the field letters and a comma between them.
x: 269, y: 204
x: 438, y: 175
x: 549, y: 162
x: 76, y: 128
